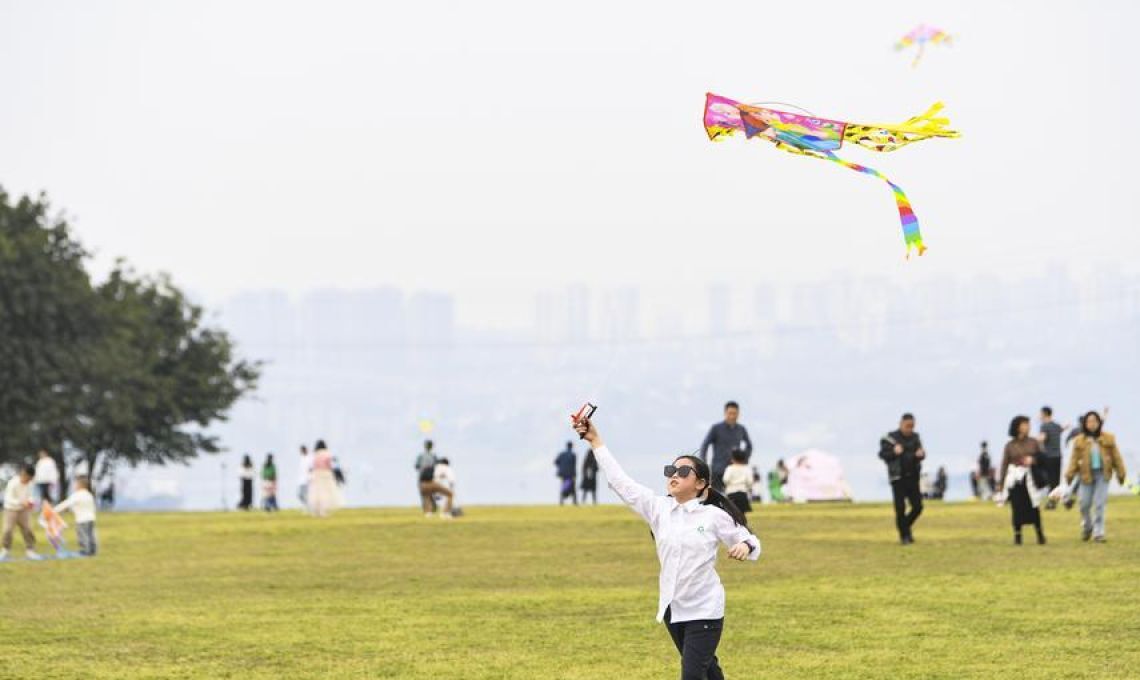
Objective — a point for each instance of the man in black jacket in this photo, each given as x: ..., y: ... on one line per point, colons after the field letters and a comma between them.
x: 902, y: 451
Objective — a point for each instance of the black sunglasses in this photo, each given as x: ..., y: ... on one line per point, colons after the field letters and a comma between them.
x: 682, y: 471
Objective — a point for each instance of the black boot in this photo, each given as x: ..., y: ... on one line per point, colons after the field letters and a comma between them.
x: 1017, y: 538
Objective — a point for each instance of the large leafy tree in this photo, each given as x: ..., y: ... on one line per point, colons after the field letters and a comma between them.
x: 157, y: 378
x: 124, y: 370
x: 46, y: 317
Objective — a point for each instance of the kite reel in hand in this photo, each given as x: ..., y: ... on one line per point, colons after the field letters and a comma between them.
x: 583, y: 416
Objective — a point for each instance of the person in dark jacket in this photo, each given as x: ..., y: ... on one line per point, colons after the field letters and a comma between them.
x: 566, y: 464
x: 985, y: 481
x: 902, y: 451
x: 1049, y: 434
x: 590, y: 476
x: 725, y: 437
x: 941, y: 480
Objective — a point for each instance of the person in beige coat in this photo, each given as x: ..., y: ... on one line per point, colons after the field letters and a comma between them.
x: 1096, y: 458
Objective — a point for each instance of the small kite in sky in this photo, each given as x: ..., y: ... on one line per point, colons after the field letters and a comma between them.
x: 921, y: 35
x: 819, y: 138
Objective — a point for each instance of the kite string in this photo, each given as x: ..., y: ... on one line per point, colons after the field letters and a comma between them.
x: 783, y: 104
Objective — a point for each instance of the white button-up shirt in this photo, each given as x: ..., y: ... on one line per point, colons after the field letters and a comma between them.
x: 687, y: 536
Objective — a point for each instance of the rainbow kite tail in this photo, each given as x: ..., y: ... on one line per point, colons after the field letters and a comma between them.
x: 912, y: 236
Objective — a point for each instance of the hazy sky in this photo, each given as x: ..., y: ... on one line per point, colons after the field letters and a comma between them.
x: 495, y: 147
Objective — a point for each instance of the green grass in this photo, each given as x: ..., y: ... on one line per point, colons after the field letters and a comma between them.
x: 570, y: 593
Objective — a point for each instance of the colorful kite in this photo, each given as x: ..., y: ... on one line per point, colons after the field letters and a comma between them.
x: 820, y: 137
x: 920, y: 35
x: 53, y: 525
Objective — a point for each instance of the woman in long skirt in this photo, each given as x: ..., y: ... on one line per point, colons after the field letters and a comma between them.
x: 323, y: 495
x: 1020, y: 473
x: 590, y: 476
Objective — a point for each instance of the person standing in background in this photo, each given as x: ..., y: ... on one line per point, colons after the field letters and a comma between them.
x: 902, y: 451
x: 269, y: 484
x: 566, y: 464
x: 590, y: 476
x: 304, y: 469
x: 323, y: 495
x: 725, y: 437
x: 985, y: 474
x: 425, y: 474
x: 47, y: 475
x: 777, y: 478
x: 1049, y: 434
x: 941, y: 480
x: 247, y: 475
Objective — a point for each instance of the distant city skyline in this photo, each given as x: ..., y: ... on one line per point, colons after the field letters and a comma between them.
x: 361, y: 369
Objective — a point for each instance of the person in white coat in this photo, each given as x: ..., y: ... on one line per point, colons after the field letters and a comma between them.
x: 47, y: 475
x: 687, y: 525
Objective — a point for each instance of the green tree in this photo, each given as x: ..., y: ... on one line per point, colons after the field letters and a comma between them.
x: 159, y: 377
x: 125, y: 370
x: 46, y: 315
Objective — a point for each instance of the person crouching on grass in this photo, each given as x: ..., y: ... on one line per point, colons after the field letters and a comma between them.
x: 687, y: 524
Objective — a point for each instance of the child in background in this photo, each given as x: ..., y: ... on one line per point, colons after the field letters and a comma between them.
x: 82, y: 506
x: 18, y: 512
x: 443, y: 476
x: 738, y: 481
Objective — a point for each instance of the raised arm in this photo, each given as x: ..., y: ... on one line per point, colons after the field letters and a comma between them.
x: 641, y: 499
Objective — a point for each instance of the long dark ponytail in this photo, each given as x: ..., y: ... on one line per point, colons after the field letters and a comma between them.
x: 712, y: 496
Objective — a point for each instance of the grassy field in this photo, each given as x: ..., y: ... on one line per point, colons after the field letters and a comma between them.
x: 545, y: 592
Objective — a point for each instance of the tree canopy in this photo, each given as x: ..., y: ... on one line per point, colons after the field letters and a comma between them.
x: 125, y: 369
